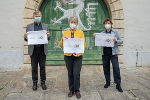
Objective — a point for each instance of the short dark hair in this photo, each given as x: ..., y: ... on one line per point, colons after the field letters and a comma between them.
x: 107, y: 19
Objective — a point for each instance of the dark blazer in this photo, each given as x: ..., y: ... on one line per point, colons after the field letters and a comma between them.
x: 30, y: 27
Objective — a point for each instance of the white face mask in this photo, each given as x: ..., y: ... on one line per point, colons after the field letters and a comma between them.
x: 73, y: 26
x: 107, y: 26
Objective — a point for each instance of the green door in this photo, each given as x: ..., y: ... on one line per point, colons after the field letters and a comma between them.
x: 90, y: 13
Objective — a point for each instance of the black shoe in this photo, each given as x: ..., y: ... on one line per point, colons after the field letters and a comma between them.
x: 44, y: 87
x: 118, y: 87
x: 106, y: 85
x: 78, y: 95
x: 70, y: 94
x: 34, y: 87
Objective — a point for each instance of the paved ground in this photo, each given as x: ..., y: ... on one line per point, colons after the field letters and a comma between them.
x: 16, y: 85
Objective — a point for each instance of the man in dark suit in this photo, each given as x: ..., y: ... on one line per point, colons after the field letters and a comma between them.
x: 38, y: 52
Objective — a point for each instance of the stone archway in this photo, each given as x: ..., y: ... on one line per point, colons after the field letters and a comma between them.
x: 115, y: 10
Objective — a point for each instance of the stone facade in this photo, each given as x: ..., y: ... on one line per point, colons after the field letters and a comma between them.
x: 130, y: 18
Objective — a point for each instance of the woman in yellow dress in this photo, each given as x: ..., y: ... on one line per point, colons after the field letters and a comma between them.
x: 73, y: 60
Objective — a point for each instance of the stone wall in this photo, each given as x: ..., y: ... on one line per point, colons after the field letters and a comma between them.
x: 137, y: 36
x: 11, y: 33
x: 130, y: 18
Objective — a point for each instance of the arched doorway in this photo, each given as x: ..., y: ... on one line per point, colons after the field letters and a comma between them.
x: 115, y: 12
x: 90, y: 15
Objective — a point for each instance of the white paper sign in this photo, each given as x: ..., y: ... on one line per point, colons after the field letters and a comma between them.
x: 73, y: 45
x: 37, y: 37
x: 105, y: 40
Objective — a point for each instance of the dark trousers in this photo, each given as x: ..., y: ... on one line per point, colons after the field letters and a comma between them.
x: 38, y: 57
x: 116, y: 69
x: 73, y: 65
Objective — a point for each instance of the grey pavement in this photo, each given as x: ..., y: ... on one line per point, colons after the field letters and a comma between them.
x: 17, y: 84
